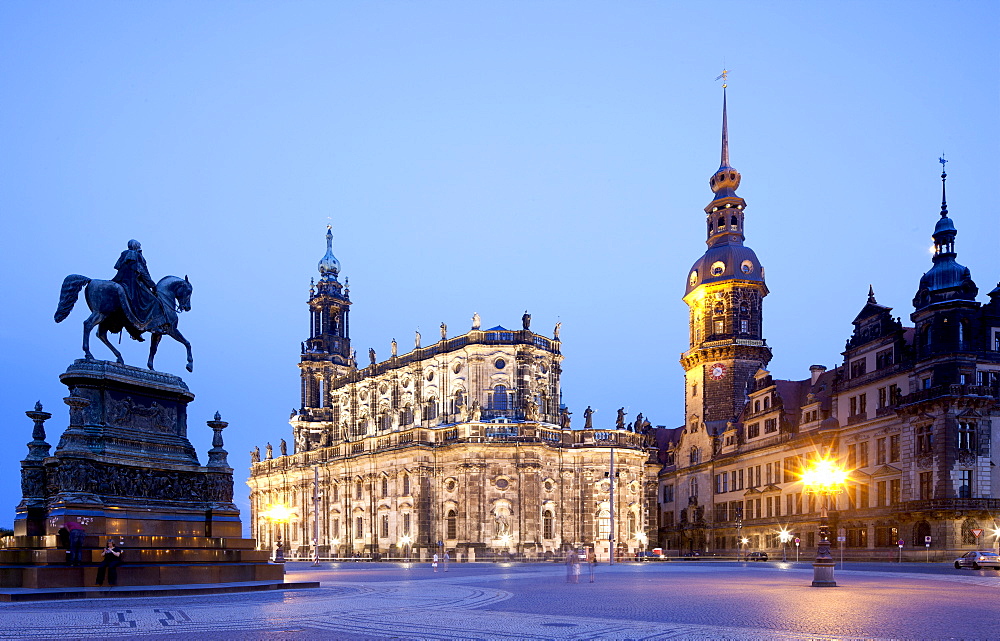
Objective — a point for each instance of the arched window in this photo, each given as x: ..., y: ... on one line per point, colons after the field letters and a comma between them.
x: 604, y: 525
x: 406, y: 416
x: 430, y: 409
x: 498, y: 400
x: 968, y: 538
x: 385, y: 486
x: 547, y: 529
x: 693, y: 489
x: 722, y: 223
x: 756, y: 406
x: 406, y: 485
x: 695, y: 456
x: 451, y: 525
x: 385, y: 422
x: 920, y: 531
x: 733, y: 223
x: 358, y: 489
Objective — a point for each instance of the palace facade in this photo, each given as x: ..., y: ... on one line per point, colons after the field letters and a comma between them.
x: 461, y: 445
x: 911, y: 412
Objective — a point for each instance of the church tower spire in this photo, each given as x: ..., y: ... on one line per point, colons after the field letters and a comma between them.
x: 724, y: 292
x: 326, y: 354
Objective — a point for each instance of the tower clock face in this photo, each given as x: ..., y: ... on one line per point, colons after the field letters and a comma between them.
x: 717, y: 371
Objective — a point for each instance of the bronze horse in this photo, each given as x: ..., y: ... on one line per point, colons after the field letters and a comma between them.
x: 110, y: 312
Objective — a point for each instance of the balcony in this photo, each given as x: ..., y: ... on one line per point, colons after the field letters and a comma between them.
x: 942, y: 391
x: 950, y: 505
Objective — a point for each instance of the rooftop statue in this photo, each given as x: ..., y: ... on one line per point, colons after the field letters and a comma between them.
x: 129, y: 301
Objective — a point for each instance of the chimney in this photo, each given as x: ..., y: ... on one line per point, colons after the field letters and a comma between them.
x: 816, y: 371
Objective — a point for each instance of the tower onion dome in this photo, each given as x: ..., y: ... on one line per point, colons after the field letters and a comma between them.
x: 724, y: 181
x: 946, y: 279
x: 329, y: 266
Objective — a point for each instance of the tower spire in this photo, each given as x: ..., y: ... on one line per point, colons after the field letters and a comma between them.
x: 725, y: 131
x: 944, y: 177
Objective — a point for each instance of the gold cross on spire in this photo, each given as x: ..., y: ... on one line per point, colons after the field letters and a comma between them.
x: 724, y: 76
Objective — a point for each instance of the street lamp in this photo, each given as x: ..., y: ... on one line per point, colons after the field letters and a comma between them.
x: 335, y: 545
x: 785, y: 537
x: 406, y: 540
x: 825, y: 479
x: 743, y: 542
x: 642, y: 539
x: 280, y: 514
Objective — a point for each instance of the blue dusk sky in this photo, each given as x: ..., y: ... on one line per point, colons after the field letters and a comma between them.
x: 482, y: 157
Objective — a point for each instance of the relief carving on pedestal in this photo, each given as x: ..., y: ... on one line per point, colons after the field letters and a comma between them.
x: 155, y: 418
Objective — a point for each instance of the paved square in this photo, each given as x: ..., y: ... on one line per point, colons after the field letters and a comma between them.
x: 696, y: 600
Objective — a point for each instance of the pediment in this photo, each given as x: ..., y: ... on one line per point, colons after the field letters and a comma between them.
x: 751, y: 492
x: 887, y: 470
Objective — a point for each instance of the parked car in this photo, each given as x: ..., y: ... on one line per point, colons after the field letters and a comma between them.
x: 692, y: 555
x: 978, y: 559
x: 757, y: 556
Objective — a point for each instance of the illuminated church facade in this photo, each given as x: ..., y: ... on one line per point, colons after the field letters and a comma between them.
x: 911, y: 413
x: 460, y: 445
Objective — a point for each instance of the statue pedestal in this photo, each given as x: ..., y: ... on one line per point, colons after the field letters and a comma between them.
x: 125, y: 470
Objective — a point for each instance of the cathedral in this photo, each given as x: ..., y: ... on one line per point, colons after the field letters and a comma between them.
x: 910, y: 413
x: 460, y: 445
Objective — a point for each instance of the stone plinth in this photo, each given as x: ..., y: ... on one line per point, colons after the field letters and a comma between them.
x: 125, y: 470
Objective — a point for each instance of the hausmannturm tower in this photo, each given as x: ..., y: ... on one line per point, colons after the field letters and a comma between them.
x: 724, y: 292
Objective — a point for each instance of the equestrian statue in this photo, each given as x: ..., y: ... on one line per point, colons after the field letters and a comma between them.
x: 129, y: 301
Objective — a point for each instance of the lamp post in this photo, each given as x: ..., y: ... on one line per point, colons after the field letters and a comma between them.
x: 278, y: 514
x: 825, y: 479
x: 785, y: 537
x: 743, y: 542
x: 642, y: 540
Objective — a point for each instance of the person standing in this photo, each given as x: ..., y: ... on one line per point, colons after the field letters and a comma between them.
x: 572, y: 567
x: 592, y: 562
x: 445, y: 559
x: 434, y: 562
x: 76, y: 536
x: 112, y: 559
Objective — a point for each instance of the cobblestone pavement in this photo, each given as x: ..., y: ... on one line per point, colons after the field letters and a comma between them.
x: 514, y: 601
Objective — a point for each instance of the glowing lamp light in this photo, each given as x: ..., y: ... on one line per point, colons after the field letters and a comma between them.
x: 335, y: 541
x: 784, y: 536
x: 505, y: 539
x: 824, y: 476
x: 641, y: 538
x: 405, y: 540
x: 278, y: 513
x: 744, y: 540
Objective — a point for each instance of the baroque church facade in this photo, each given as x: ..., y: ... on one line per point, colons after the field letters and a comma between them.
x: 461, y: 446
x: 911, y: 412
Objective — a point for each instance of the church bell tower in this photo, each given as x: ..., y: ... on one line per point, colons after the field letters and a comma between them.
x: 724, y: 292
x: 326, y: 355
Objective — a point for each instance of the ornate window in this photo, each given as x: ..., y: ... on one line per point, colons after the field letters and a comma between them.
x: 406, y: 485
x: 385, y: 486
x: 451, y: 525
x: 430, y: 409
x: 499, y: 398
x: 695, y: 455
x: 359, y: 528
x: 966, y: 437
x: 925, y: 439
x: 968, y: 538
x: 385, y: 526
x: 358, y: 490
x: 547, y: 529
